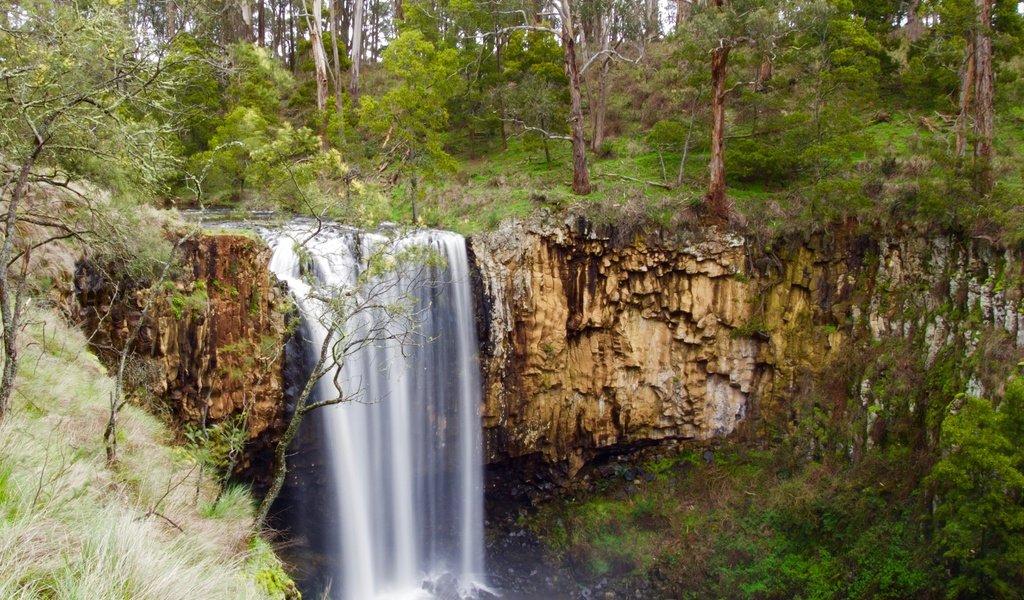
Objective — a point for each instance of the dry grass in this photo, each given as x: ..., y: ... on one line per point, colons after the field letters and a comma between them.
x: 71, y: 526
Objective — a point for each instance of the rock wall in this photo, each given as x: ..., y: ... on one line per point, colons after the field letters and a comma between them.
x: 593, y: 347
x: 212, y: 343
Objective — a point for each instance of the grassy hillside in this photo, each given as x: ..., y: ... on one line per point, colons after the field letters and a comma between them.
x: 73, y: 526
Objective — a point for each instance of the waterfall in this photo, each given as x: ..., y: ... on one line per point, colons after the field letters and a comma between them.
x: 405, y: 456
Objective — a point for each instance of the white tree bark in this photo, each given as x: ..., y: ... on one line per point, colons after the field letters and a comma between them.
x: 357, y: 49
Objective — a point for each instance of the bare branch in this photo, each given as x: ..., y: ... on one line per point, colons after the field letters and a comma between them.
x: 543, y: 132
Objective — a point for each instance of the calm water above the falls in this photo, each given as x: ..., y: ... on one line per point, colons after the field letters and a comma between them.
x: 402, y: 466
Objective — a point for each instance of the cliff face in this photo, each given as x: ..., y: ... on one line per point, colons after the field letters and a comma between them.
x: 592, y: 347
x: 212, y: 344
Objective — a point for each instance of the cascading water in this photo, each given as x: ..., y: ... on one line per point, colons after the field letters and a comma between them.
x: 405, y: 457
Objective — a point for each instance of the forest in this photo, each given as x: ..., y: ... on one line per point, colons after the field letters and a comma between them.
x: 763, y: 114
x: 785, y: 122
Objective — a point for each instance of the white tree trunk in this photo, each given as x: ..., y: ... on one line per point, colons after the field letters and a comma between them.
x: 320, y: 64
x: 357, y: 49
x: 336, y: 65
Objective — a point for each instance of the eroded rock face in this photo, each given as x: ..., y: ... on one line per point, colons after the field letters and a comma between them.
x: 590, y: 347
x: 212, y: 343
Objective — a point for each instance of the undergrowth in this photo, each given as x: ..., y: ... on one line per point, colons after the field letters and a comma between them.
x: 746, y: 525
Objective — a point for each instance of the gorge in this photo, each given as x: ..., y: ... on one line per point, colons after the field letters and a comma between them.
x: 596, y: 345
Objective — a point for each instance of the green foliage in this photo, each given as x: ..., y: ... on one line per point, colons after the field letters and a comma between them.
x: 979, y: 485
x: 193, y: 304
x: 412, y: 114
x: 63, y: 534
x: 269, y: 573
x: 64, y: 109
x: 224, y: 167
x: 218, y: 446
x: 257, y: 81
x: 739, y: 528
x: 196, y: 91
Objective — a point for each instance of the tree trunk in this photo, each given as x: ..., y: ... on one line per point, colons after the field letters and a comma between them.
x: 966, y: 94
x: 600, y: 108
x: 261, y: 32
x: 280, y: 468
x: 715, y: 201
x: 914, y: 29
x: 683, y: 8
x: 236, y: 22
x: 117, y: 395
x: 302, y: 406
x: 580, y: 174
x: 277, y: 30
x: 764, y: 74
x: 501, y: 89
x: 605, y: 34
x: 11, y: 296
x: 293, y: 36
x: 171, y: 26
x: 686, y: 144
x: 399, y: 14
x: 652, y: 23
x: 320, y: 66
x: 357, y: 50
x: 336, y: 66
x: 375, y: 33
x: 345, y: 23
x: 984, y: 120
x: 246, y: 12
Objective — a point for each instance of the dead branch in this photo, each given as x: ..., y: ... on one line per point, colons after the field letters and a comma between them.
x: 663, y: 186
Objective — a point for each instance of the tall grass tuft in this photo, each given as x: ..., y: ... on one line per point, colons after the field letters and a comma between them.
x: 72, y: 526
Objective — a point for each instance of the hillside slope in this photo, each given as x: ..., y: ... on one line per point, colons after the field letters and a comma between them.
x: 147, y: 527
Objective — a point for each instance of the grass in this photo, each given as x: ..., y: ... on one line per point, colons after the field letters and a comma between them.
x: 519, y: 181
x: 900, y: 173
x: 72, y: 526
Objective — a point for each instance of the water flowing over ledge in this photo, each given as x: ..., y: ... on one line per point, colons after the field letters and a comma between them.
x: 405, y: 457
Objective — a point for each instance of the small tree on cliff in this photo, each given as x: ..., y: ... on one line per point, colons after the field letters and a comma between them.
x: 378, y: 308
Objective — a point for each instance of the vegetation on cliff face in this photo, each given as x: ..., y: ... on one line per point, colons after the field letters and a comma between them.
x: 880, y: 475
x: 743, y: 521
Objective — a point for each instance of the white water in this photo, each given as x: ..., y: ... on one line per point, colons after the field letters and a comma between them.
x: 406, y: 458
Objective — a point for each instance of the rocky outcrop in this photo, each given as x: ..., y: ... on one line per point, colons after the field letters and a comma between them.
x: 592, y: 347
x: 212, y: 343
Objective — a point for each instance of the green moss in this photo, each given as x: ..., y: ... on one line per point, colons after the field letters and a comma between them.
x: 254, y: 302
x: 269, y: 572
x: 195, y: 303
x: 755, y: 327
